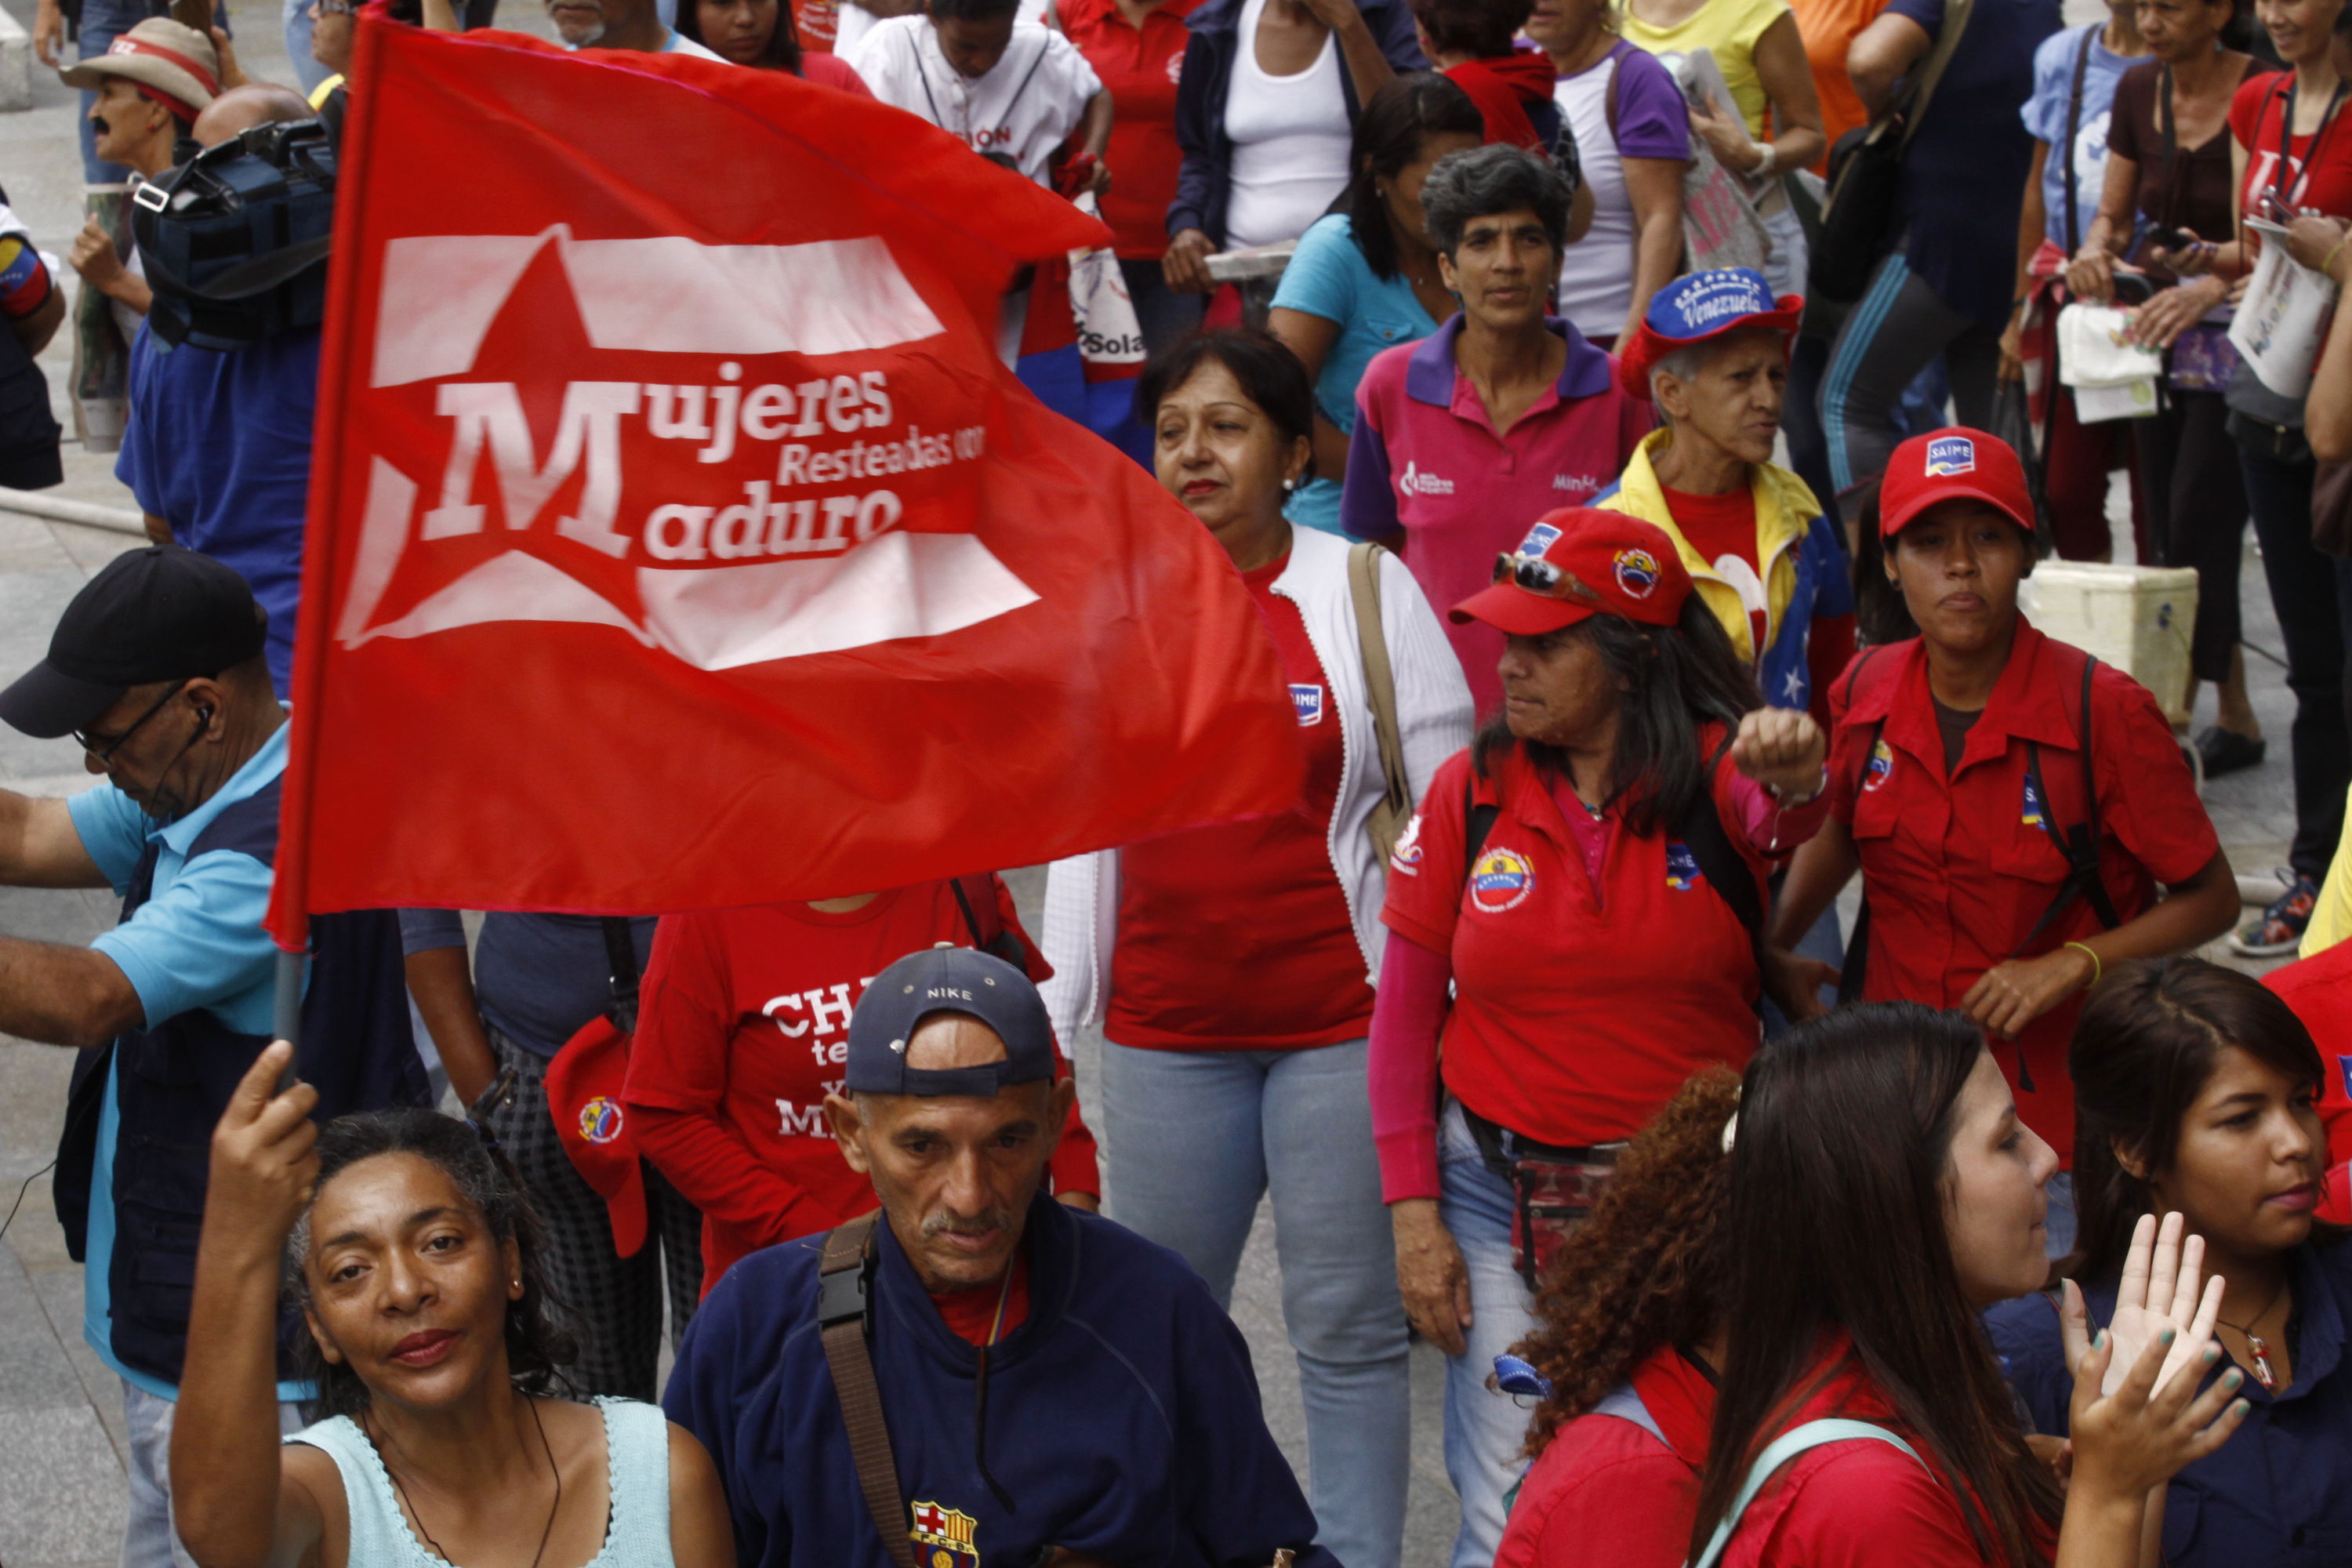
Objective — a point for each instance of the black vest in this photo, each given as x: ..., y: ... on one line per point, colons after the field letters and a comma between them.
x: 357, y: 1050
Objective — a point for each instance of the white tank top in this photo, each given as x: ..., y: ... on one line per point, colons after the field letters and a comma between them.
x: 1290, y: 136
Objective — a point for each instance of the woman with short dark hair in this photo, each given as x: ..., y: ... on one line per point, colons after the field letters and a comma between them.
x: 414, y: 1259
x: 1504, y: 414
x: 2194, y: 1091
x: 1365, y: 279
x: 1232, y: 966
x: 1572, y: 918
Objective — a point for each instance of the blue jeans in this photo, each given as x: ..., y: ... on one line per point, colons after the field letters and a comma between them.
x: 102, y: 22
x: 2060, y: 1219
x: 1485, y: 1429
x: 1194, y: 1139
x: 149, y: 1541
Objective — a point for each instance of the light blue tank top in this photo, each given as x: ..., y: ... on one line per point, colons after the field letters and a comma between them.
x: 636, y: 1448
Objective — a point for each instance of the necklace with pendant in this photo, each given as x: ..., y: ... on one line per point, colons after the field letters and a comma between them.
x: 2256, y: 1346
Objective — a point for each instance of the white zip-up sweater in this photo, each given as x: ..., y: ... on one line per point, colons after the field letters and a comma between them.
x: 1433, y: 720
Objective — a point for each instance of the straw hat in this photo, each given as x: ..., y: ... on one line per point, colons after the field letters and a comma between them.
x: 173, y: 63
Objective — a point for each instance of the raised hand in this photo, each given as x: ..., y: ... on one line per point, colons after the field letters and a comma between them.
x: 1781, y: 749
x: 2160, y: 1294
x: 264, y: 1158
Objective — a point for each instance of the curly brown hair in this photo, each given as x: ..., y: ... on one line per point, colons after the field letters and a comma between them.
x: 1643, y: 1271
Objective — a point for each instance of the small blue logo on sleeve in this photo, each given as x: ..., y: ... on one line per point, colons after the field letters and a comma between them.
x: 1682, y: 867
x: 2344, y: 1066
x: 1950, y: 455
x: 1307, y: 700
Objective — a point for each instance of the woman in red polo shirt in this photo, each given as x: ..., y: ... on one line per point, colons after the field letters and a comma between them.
x: 1136, y: 48
x: 743, y: 1029
x: 1576, y: 876
x: 1959, y: 769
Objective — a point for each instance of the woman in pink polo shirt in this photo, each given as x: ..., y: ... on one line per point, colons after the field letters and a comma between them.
x: 1502, y: 414
x: 1588, y: 877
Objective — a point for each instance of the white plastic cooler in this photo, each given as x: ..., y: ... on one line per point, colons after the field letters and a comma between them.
x: 2137, y: 618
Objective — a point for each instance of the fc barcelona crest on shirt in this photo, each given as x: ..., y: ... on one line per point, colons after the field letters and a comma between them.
x: 943, y: 1537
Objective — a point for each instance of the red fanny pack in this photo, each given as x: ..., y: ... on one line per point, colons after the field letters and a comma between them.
x: 1553, y: 1190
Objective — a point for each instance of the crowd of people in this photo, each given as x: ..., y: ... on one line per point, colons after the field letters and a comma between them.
x: 1627, y: 519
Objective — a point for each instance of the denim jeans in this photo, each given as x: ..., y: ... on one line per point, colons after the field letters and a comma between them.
x: 1485, y: 1430
x: 1164, y: 314
x: 2313, y: 595
x: 1195, y: 1140
x: 149, y: 1541
x: 2062, y: 1217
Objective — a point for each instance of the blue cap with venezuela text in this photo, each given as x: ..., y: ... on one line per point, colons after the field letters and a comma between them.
x: 1697, y: 306
x: 947, y: 980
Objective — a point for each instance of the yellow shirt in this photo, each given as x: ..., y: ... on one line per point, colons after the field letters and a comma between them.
x: 1728, y: 30
x: 2331, y: 916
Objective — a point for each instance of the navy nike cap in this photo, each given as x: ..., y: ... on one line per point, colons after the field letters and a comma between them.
x: 947, y: 980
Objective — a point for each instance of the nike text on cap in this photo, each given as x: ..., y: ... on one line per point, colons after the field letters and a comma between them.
x: 947, y: 980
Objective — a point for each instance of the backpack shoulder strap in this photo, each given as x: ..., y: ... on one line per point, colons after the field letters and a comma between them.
x: 1380, y: 691
x: 991, y: 937
x: 1478, y: 822
x: 1947, y: 44
x: 1778, y: 1452
x: 2073, y: 128
x: 845, y: 1308
x: 1719, y: 861
x: 621, y: 959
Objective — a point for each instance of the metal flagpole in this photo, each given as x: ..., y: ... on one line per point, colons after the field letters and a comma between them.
x: 287, y: 1020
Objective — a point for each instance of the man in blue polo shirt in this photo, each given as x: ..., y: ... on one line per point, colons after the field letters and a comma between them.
x: 156, y: 667
x: 1040, y: 1381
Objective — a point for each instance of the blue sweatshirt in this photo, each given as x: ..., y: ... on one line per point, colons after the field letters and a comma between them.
x: 1123, y: 1418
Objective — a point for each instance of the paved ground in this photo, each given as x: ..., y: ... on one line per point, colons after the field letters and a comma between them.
x: 60, y: 1413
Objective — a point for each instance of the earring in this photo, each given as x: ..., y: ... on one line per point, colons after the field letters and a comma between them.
x: 1289, y: 484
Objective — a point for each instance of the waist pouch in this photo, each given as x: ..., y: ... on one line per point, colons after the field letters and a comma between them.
x: 1553, y: 1189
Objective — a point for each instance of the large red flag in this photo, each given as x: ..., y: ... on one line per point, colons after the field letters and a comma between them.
x: 678, y: 539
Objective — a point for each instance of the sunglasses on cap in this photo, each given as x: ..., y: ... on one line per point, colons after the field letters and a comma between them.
x: 1538, y: 575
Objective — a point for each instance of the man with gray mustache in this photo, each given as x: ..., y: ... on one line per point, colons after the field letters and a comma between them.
x: 987, y: 1375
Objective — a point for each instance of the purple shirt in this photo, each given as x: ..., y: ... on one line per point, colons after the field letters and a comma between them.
x: 1427, y: 462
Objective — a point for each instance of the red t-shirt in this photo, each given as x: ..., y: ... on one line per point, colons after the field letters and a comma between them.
x: 1237, y: 936
x: 2257, y: 114
x: 1959, y: 870
x: 970, y: 1315
x: 1580, y: 1006
x: 1605, y: 1493
x: 743, y: 1029
x: 1723, y: 530
x: 1139, y: 68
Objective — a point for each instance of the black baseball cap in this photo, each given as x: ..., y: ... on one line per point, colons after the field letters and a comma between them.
x: 163, y: 613
x: 947, y: 980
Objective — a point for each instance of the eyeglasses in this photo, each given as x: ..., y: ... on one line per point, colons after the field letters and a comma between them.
x: 334, y: 7
x: 103, y: 747
x: 1538, y: 575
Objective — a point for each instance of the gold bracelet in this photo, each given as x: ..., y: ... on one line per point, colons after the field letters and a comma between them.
x: 2098, y: 969
x: 2327, y: 262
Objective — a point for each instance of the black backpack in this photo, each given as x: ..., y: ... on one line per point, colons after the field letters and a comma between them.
x: 235, y: 240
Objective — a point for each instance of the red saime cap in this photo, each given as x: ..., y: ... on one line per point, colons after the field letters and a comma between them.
x: 583, y: 1095
x: 1577, y: 562
x: 1954, y: 464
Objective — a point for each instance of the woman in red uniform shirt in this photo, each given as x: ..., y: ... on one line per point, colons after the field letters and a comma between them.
x: 743, y: 1029
x: 763, y: 35
x: 1958, y: 768
x: 1632, y: 795
x: 1136, y: 48
x: 1231, y: 965
x: 1883, y: 1193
